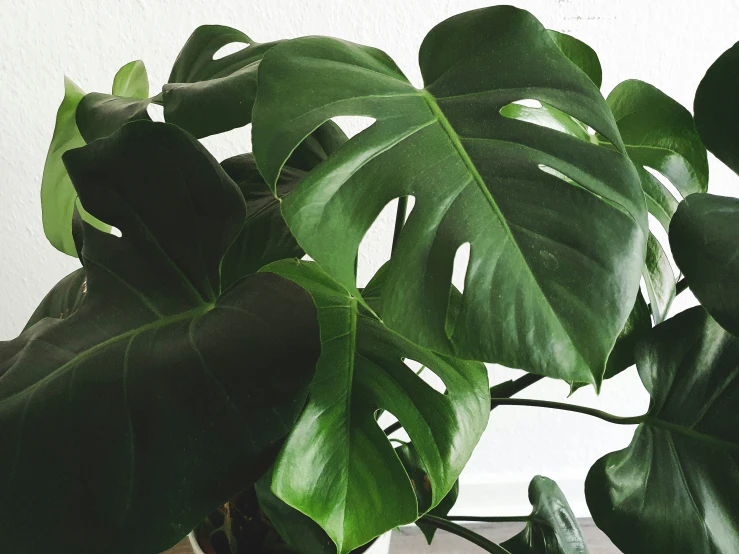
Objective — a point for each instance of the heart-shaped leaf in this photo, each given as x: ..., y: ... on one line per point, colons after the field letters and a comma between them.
x: 557, y: 260
x: 703, y: 238
x: 58, y: 197
x: 675, y: 488
x: 337, y: 447
x: 717, y: 109
x: 552, y: 527
x: 161, y: 396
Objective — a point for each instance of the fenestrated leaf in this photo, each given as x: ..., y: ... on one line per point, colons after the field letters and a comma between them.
x: 58, y: 197
x: 422, y: 486
x: 207, y: 96
x: 660, y: 134
x: 659, y: 279
x: 675, y: 488
x: 63, y: 300
x: 552, y: 527
x: 717, y: 109
x: 161, y: 394
x: 265, y: 237
x: 579, y: 53
x: 557, y: 262
x: 337, y: 466
x: 704, y: 240
x: 132, y: 81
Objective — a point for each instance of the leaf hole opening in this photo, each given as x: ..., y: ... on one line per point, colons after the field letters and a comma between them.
x: 156, y: 112
x: 427, y: 374
x: 665, y: 182
x: 116, y: 232
x: 353, y: 124
x: 229, y: 49
x: 545, y: 115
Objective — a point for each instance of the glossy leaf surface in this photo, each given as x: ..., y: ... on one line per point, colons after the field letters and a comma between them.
x: 552, y: 527
x: 557, y: 260
x: 703, y: 238
x: 717, y: 109
x: 337, y: 447
x: 161, y: 394
x: 659, y: 279
x: 675, y: 488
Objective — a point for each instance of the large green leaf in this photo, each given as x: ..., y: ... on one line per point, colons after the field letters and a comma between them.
x: 717, y: 109
x: 552, y: 527
x: 58, y: 197
x: 703, y: 238
x: 659, y: 134
x: 161, y: 396
x: 556, y: 260
x: 337, y: 466
x: 675, y: 488
x: 208, y: 96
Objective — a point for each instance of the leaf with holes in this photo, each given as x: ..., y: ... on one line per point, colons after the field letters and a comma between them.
x: 717, y: 109
x: 337, y: 466
x: 675, y: 488
x: 660, y: 135
x: 552, y: 527
x: 556, y: 260
x: 58, y: 197
x: 206, y: 96
x: 703, y: 240
x: 162, y: 393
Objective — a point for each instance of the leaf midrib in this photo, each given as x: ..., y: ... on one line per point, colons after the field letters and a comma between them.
x: 469, y: 164
x: 86, y: 354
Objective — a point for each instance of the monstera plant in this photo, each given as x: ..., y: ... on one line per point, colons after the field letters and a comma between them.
x: 213, y: 364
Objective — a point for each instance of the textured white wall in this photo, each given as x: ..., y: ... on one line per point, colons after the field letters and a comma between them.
x: 668, y: 43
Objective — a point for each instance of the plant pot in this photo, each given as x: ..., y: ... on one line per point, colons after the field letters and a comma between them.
x: 380, y: 546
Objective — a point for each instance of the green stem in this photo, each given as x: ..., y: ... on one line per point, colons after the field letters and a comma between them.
x: 509, y: 388
x: 399, y: 220
x: 635, y: 420
x: 474, y: 538
x: 490, y: 519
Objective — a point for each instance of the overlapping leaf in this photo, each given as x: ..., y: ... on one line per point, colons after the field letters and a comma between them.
x: 556, y: 260
x: 161, y: 393
x: 703, y: 238
x: 337, y: 466
x: 552, y: 527
x: 675, y: 488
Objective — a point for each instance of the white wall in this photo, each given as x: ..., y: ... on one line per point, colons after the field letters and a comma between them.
x: 668, y: 43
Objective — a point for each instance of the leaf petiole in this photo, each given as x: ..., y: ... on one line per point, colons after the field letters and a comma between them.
x: 610, y: 418
x: 474, y: 538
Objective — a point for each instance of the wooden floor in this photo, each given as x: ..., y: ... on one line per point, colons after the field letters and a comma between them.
x: 409, y: 540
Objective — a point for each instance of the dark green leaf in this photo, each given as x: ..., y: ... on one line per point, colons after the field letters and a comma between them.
x: 296, y: 529
x: 717, y: 109
x: 63, y: 300
x: 675, y: 488
x: 161, y: 397
x: 207, y: 96
x: 659, y: 279
x: 552, y: 527
x: 422, y: 486
x: 660, y: 134
x: 364, y: 489
x: 575, y: 250
x: 132, y: 81
x: 579, y: 53
x: 703, y: 238
x: 58, y: 197
x: 265, y: 237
